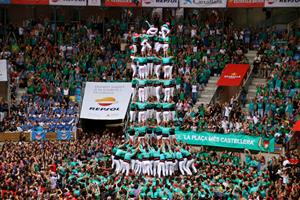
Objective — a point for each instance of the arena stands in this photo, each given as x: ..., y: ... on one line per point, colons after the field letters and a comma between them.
x: 48, y: 70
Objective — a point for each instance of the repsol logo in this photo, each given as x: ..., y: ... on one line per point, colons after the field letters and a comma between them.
x: 104, y: 109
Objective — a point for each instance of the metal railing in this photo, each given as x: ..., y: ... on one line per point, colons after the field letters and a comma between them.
x: 246, y: 83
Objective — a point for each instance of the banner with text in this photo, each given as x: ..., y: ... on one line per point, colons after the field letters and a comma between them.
x: 4, y: 1
x: 105, y: 101
x: 160, y: 3
x: 202, y: 3
x: 122, y: 3
x: 67, y: 2
x: 94, y: 2
x: 30, y: 2
x: 38, y: 134
x: 64, y: 135
x: 245, y: 3
x: 3, y: 70
x: 282, y: 3
x: 233, y: 75
x: 237, y: 141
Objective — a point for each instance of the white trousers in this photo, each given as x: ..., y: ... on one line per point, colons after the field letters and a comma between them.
x: 134, y: 69
x: 142, y: 95
x: 168, y: 166
x: 118, y: 166
x: 150, y: 68
x: 157, y: 47
x: 161, y: 169
x: 142, y: 116
x: 113, y: 161
x: 142, y: 71
x: 166, y: 116
x: 172, y: 115
x: 167, y: 94
x: 157, y: 70
x: 125, y: 168
x: 138, y: 167
x: 145, y: 46
x: 155, y: 167
x: 157, y: 89
x: 149, y: 114
x: 146, y: 167
x: 167, y: 71
x: 134, y: 92
x: 183, y: 169
x: 190, y: 164
x: 132, y: 116
x: 158, y: 117
x: 132, y: 164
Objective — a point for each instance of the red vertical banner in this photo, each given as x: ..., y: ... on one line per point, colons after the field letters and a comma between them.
x: 30, y: 2
x: 233, y: 75
x: 123, y: 3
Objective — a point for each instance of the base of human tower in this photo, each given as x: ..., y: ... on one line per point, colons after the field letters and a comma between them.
x: 152, y: 155
x: 151, y: 148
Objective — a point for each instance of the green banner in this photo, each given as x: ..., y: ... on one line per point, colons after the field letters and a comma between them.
x: 238, y: 141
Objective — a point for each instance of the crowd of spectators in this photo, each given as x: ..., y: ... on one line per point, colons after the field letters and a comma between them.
x: 52, y: 65
x: 276, y: 106
x: 51, y: 62
x: 81, y: 169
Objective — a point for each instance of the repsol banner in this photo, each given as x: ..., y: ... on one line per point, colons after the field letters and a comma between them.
x: 237, y: 141
x: 282, y: 3
x: 160, y: 3
x: 105, y: 101
x: 202, y: 3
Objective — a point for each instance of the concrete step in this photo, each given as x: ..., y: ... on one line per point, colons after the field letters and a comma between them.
x: 211, y: 84
x: 259, y: 80
x: 201, y: 102
x: 251, y: 90
x: 209, y: 89
x: 205, y: 95
x: 214, y: 78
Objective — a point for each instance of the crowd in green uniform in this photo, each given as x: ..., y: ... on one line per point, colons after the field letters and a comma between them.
x: 82, y: 170
x: 275, y: 108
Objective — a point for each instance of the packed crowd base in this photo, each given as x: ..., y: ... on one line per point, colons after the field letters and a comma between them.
x: 82, y: 170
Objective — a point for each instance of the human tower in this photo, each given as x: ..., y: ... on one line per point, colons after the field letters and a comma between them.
x: 151, y: 147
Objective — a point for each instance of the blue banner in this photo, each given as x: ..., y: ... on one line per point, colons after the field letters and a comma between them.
x: 4, y: 1
x: 38, y: 134
x: 64, y: 135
